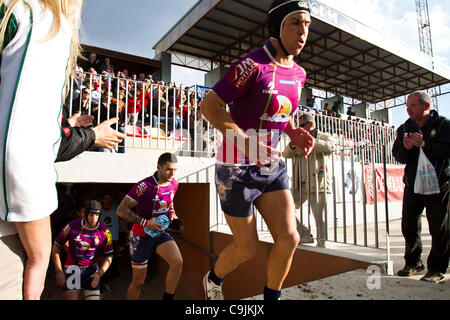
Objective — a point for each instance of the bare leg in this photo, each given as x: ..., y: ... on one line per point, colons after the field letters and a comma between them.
x: 277, y: 209
x: 243, y: 248
x: 171, y: 254
x: 36, y: 238
x: 137, y: 281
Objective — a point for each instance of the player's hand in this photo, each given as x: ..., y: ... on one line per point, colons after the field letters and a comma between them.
x: 302, y: 140
x: 107, y: 137
x: 258, y: 150
x: 60, y: 279
x: 95, y: 279
x: 153, y: 225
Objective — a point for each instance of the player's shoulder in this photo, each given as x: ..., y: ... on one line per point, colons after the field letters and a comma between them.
x: 298, y: 68
x: 102, y: 228
x: 75, y: 224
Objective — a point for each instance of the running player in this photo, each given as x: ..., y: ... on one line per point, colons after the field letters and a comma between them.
x: 152, y: 197
x: 264, y: 88
x: 90, y: 254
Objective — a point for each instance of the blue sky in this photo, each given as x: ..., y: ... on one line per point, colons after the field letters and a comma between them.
x: 135, y: 26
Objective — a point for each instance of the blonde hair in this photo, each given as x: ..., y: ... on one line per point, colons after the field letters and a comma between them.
x: 71, y: 9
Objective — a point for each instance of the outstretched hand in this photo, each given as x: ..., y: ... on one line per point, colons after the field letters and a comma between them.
x: 78, y: 120
x: 107, y: 137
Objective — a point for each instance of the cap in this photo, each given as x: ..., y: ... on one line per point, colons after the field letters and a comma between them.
x: 92, y: 206
x: 279, y: 13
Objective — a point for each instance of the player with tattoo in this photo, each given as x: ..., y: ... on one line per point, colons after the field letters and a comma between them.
x: 152, y: 197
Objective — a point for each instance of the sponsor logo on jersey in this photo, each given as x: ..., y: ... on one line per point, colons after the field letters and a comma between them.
x: 140, y: 189
x: 242, y: 73
x: 283, y: 113
x: 270, y: 89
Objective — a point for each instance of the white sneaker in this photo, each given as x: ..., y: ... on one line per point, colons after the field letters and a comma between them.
x: 212, y: 290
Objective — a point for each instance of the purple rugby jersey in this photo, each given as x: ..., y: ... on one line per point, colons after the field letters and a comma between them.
x: 262, y: 95
x: 153, y: 200
x: 86, y: 245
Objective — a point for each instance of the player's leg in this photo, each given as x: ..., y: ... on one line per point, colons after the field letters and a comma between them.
x: 171, y: 254
x: 71, y: 295
x: 243, y: 247
x: 140, y: 250
x: 277, y: 209
x: 137, y: 281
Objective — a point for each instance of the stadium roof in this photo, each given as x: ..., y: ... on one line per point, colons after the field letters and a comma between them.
x: 342, y: 55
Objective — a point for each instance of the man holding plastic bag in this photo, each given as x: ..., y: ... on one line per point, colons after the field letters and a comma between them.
x: 423, y: 144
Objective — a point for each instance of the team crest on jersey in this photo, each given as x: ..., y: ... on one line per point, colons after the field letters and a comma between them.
x: 283, y: 113
x: 140, y: 189
x: 242, y: 73
x: 163, y: 207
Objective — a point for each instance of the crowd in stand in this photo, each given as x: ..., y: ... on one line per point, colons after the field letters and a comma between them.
x: 103, y: 92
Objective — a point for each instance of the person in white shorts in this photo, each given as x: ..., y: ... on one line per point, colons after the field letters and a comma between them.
x: 38, y: 44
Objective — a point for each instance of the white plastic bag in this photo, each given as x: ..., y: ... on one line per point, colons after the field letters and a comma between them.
x: 426, y: 178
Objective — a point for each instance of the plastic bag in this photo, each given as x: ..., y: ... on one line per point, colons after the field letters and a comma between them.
x: 426, y: 178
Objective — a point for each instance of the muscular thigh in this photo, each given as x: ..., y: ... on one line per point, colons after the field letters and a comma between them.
x: 169, y: 251
x: 277, y: 210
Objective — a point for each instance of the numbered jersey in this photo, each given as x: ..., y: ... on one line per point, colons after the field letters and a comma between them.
x: 86, y: 245
x: 262, y: 95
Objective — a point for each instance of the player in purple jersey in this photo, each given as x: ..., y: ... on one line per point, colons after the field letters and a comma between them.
x: 263, y: 89
x: 90, y: 254
x: 152, y: 198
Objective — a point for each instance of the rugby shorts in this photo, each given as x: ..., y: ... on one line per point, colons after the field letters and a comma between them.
x: 239, y: 186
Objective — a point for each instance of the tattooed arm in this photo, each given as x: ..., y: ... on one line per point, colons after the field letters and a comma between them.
x: 124, y: 211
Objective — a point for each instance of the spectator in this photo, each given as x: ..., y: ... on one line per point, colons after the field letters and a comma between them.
x: 304, y: 187
x: 92, y: 62
x: 29, y: 191
x: 427, y: 130
x: 106, y: 64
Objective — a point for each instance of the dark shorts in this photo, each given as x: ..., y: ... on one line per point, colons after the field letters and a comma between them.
x: 80, y: 278
x: 141, y: 248
x: 238, y: 187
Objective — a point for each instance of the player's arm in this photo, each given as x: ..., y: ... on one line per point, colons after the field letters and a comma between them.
x: 125, y: 210
x: 104, y: 263
x: 212, y: 107
x: 57, y: 256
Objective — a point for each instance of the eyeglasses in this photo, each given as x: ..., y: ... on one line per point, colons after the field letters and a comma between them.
x: 85, y: 92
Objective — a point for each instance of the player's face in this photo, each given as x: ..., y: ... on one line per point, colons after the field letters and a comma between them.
x: 92, y: 219
x: 295, y: 31
x: 416, y: 111
x: 166, y: 172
